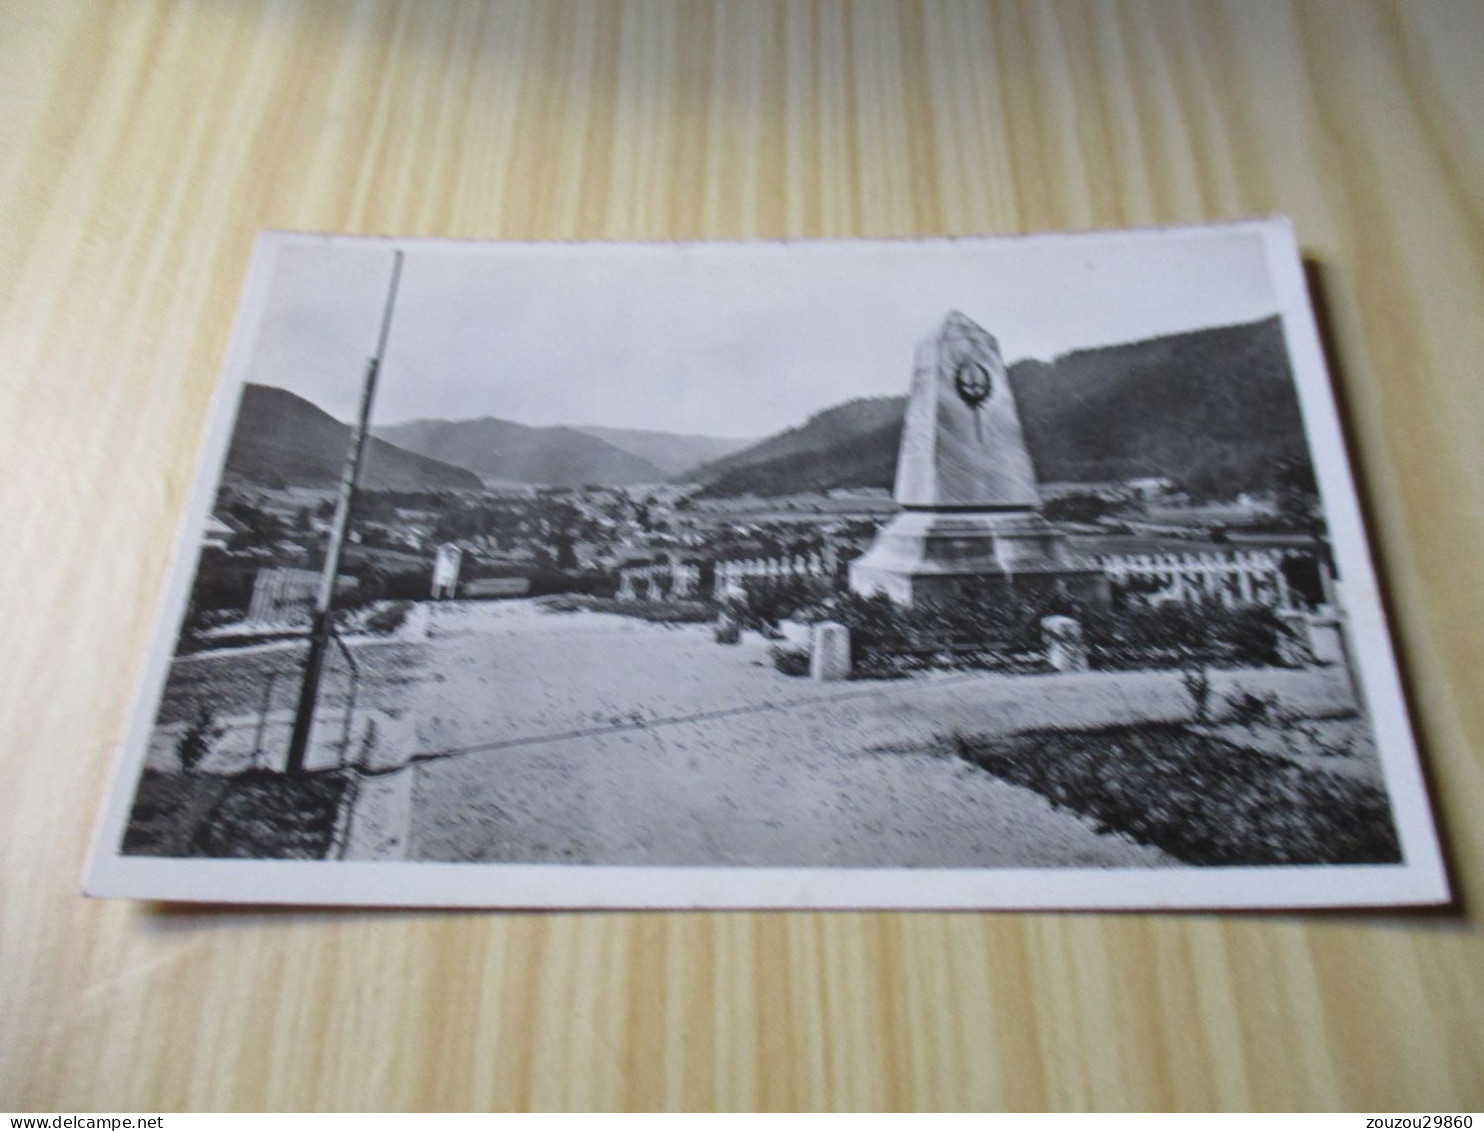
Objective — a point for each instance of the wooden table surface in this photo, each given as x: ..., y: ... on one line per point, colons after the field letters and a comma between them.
x: 141, y: 146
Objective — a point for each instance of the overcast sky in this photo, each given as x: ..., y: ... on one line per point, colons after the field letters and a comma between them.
x: 720, y: 339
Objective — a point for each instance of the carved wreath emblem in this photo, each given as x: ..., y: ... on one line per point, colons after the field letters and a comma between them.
x: 973, y: 383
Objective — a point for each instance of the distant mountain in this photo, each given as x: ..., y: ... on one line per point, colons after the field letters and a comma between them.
x: 671, y: 452
x: 1213, y: 409
x: 282, y: 440
x: 858, y: 462
x: 815, y: 447
x: 503, y: 450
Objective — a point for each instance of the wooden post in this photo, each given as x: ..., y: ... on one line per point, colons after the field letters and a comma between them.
x: 319, y: 629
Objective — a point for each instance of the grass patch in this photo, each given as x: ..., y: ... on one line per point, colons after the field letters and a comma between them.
x: 790, y: 661
x: 1198, y: 797
x: 233, y: 683
x: 254, y: 815
x: 657, y: 612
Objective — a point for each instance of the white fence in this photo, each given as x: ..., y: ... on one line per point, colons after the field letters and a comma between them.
x: 682, y: 580
x: 647, y: 581
x: 731, y: 575
x: 282, y: 596
x: 1240, y: 577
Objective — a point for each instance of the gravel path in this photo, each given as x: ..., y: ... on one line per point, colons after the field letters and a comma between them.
x: 604, y: 739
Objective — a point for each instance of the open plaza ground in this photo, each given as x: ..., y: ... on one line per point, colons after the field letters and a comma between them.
x: 540, y: 736
x: 512, y: 732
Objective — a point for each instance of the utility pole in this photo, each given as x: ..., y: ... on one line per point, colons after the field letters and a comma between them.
x: 319, y: 627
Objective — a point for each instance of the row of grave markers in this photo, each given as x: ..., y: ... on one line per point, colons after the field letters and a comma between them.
x: 1239, y: 577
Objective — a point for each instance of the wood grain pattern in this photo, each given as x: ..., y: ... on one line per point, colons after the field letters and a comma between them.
x: 143, y: 145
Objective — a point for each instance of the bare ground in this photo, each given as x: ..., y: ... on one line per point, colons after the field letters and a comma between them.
x: 586, y: 737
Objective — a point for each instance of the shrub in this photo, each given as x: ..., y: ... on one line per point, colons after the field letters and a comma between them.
x: 887, y: 639
x: 590, y: 582
x: 1132, y: 637
x: 877, y: 627
x: 1202, y: 799
x: 790, y: 661
x: 390, y: 617
x: 658, y: 612
x: 221, y: 591
x: 374, y: 583
x: 1247, y: 709
x: 1254, y: 634
x: 766, y: 601
x: 266, y: 815
x: 1248, y: 635
x: 200, y: 736
x: 1197, y: 684
x: 1078, y: 508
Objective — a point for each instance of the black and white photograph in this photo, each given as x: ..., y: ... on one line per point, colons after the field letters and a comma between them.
x: 1013, y: 572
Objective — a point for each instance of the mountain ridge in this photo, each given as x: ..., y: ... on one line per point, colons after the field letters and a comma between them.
x: 1215, y: 409
x: 675, y: 453
x: 280, y: 439
x: 828, y: 427
x: 558, y: 456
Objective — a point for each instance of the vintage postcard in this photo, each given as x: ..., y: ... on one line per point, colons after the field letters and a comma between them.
x: 960, y: 573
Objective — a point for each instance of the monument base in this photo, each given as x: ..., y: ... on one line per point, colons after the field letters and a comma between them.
x: 924, y: 555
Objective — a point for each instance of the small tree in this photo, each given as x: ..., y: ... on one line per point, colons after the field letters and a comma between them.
x: 200, y: 736
x: 1251, y: 710
x: 1197, y: 682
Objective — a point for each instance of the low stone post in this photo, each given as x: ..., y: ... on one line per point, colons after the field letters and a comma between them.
x: 446, y: 571
x: 1326, y: 641
x: 829, y: 652
x: 1062, y: 637
x: 728, y: 627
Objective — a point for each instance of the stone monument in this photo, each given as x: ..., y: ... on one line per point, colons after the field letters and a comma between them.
x: 446, y: 571
x: 829, y: 652
x: 970, y: 503
x: 1065, y: 650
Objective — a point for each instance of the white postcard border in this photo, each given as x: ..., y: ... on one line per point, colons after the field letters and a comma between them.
x: 1420, y: 879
